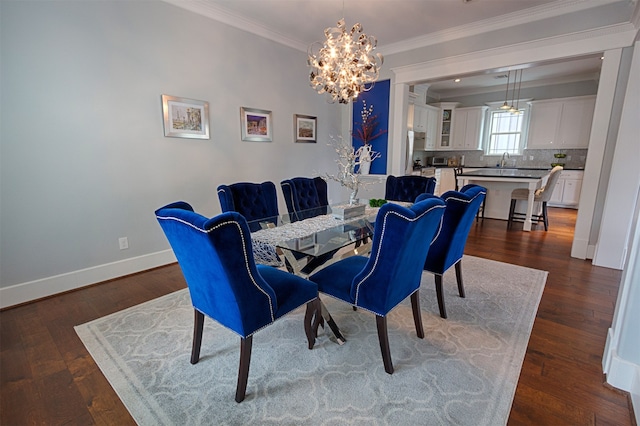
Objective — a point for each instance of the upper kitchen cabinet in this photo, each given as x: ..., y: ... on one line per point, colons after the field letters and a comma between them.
x: 425, y: 119
x: 468, y: 127
x: 561, y: 123
x: 446, y: 125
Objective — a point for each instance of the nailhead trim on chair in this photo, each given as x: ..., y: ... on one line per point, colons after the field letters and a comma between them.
x: 384, y: 225
x: 460, y: 200
x: 244, y: 249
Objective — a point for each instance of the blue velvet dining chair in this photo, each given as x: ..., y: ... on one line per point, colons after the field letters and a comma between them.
x: 225, y: 284
x: 448, y: 245
x: 254, y: 201
x: 407, y: 188
x: 305, y: 197
x: 392, y: 272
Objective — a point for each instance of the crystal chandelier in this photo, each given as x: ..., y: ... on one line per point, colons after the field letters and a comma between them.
x: 344, y: 64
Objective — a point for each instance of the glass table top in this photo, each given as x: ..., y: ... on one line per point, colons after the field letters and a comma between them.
x: 313, y: 232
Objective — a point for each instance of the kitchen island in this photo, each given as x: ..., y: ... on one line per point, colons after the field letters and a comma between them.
x: 499, y: 183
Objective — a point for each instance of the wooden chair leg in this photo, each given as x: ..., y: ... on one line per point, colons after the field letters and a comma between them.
x: 243, y: 371
x: 443, y: 311
x: 512, y: 209
x: 417, y: 318
x: 481, y: 210
x: 545, y: 218
x: 459, y: 278
x: 198, y: 326
x: 383, y: 337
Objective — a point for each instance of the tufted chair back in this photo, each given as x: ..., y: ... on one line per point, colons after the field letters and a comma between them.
x: 208, y: 252
x: 305, y: 197
x: 252, y: 200
x: 407, y: 188
x: 392, y: 272
x: 225, y: 284
x: 447, y: 248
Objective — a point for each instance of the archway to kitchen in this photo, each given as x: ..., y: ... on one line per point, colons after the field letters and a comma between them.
x: 587, y: 224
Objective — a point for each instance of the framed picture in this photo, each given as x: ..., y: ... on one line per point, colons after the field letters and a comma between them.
x: 256, y: 124
x: 185, y: 118
x: 305, y: 128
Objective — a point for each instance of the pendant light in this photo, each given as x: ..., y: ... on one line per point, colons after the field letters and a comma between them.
x: 506, y: 106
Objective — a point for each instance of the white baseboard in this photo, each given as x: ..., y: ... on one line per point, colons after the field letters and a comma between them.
x: 26, y: 292
x: 625, y: 376
x: 621, y: 373
x: 581, y: 249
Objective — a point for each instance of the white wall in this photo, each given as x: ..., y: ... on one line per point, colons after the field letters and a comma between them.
x: 621, y: 361
x: 83, y: 156
x: 624, y: 179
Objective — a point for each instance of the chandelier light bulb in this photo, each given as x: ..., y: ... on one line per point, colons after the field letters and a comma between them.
x: 344, y: 63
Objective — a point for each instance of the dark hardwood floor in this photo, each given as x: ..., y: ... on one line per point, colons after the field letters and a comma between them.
x: 47, y: 376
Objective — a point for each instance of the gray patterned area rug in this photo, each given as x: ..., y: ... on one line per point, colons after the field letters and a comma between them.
x: 464, y: 371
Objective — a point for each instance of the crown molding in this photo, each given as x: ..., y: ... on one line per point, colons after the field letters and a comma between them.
x: 453, y: 93
x: 550, y: 48
x: 533, y: 14
x: 204, y: 8
x: 545, y: 11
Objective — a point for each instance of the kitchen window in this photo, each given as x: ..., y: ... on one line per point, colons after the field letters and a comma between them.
x: 506, y: 131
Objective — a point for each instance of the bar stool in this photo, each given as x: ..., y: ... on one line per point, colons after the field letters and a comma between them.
x: 456, y: 172
x: 542, y: 195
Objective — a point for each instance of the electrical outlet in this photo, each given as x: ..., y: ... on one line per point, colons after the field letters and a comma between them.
x: 531, y: 158
x: 124, y: 243
x: 568, y: 158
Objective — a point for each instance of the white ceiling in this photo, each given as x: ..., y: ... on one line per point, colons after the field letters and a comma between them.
x: 299, y: 23
x: 401, y: 23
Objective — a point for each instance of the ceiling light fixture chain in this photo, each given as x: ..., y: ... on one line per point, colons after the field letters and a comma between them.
x: 516, y: 109
x: 345, y: 63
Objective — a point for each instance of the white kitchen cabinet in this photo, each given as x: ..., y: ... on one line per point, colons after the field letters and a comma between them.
x: 419, y: 118
x: 567, y: 190
x: 468, y: 127
x: 556, y: 196
x: 446, y: 123
x: 571, y: 193
x: 445, y: 180
x: 561, y: 123
x: 426, y: 121
x: 575, y: 125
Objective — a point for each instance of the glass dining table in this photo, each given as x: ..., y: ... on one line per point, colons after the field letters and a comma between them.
x: 309, y: 240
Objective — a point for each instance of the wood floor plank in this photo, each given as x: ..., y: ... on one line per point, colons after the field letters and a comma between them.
x: 48, y: 377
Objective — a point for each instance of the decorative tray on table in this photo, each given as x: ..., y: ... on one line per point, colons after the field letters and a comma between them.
x: 347, y: 211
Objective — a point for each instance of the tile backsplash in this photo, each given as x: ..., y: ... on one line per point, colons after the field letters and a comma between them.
x: 532, y: 158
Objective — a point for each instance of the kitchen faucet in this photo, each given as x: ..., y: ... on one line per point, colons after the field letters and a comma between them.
x: 503, y: 162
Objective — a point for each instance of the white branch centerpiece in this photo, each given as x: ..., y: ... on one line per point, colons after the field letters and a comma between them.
x: 348, y: 159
